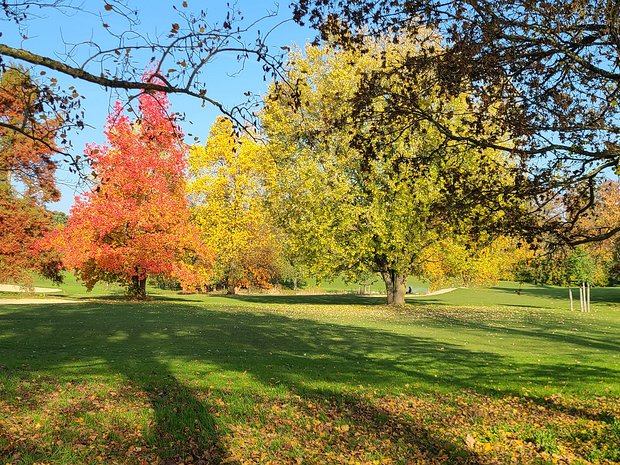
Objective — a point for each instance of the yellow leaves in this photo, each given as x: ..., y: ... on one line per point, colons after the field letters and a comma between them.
x: 229, y: 177
x: 343, y: 428
x: 231, y: 459
x: 452, y: 260
x: 348, y: 190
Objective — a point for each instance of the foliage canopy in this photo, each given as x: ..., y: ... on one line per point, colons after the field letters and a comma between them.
x: 372, y: 194
x: 135, y: 222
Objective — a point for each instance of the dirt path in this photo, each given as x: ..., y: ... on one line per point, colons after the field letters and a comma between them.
x: 36, y: 290
x: 437, y: 292
x: 36, y: 301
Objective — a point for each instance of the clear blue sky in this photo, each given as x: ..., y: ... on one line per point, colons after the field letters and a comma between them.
x: 51, y: 31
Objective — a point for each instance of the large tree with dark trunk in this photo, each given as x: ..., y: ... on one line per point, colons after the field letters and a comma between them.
x: 547, y: 72
x: 370, y: 194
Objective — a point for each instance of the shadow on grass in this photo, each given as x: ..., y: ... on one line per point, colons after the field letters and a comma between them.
x: 143, y: 341
x: 554, y: 329
x: 606, y: 295
x: 309, y: 299
x: 183, y: 425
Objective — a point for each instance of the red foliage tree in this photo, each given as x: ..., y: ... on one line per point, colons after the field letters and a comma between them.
x: 25, y: 162
x: 134, y: 223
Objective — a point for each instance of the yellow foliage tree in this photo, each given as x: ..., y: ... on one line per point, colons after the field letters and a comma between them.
x: 357, y: 192
x: 227, y: 183
x: 450, y: 261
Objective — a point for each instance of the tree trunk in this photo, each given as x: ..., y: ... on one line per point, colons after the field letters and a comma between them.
x: 395, y: 287
x: 294, y: 284
x: 588, y: 298
x: 231, y: 289
x: 570, y: 297
x: 137, y: 288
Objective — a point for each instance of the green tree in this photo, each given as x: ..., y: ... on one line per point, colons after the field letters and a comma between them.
x: 580, y: 266
x: 371, y: 195
x: 545, y: 71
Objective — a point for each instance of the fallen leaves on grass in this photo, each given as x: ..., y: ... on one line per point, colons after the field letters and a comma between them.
x: 98, y: 424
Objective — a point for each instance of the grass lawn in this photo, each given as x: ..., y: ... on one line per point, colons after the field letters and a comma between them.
x: 71, y: 287
x: 476, y: 376
x: 375, y: 285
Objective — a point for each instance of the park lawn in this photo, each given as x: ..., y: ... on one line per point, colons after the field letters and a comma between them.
x: 313, y: 379
x: 375, y: 285
x: 70, y: 287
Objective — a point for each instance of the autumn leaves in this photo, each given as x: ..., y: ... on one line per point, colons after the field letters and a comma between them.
x: 159, y: 208
x: 322, y: 187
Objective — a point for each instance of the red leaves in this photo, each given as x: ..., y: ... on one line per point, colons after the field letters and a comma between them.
x: 27, y: 155
x: 135, y: 223
x: 22, y: 223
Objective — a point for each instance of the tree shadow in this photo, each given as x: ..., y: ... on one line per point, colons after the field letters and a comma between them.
x: 183, y: 426
x: 143, y: 341
x: 309, y: 299
x: 603, y: 295
x: 47, y: 338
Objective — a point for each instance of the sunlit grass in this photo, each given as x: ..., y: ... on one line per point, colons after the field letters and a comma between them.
x: 465, y: 377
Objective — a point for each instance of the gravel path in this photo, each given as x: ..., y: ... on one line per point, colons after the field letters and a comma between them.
x: 437, y: 292
x: 36, y: 301
x: 37, y: 290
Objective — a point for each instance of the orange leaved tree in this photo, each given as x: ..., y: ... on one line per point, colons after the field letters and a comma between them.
x: 134, y: 223
x: 27, y: 180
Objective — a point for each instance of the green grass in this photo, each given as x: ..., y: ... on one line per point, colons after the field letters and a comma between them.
x: 510, y: 294
x: 71, y: 287
x: 473, y: 376
x: 375, y: 286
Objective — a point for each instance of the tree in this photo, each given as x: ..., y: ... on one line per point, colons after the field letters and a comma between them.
x: 604, y: 214
x: 227, y: 187
x: 359, y: 195
x: 545, y: 72
x: 135, y: 221
x: 23, y: 223
x: 27, y: 180
x: 551, y: 265
x: 293, y: 269
x: 115, y: 56
x: 451, y: 261
x: 580, y: 266
x: 580, y: 269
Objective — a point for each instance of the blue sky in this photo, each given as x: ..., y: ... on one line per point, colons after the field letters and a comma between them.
x: 50, y: 32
